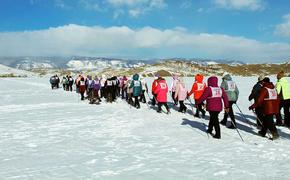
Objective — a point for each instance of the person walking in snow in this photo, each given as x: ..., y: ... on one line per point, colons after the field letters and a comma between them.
x: 153, y: 89
x: 89, y: 85
x: 283, y: 90
x: 70, y: 83
x: 269, y: 101
x: 144, y: 89
x: 137, y: 88
x: 173, y: 88
x: 181, y: 94
x: 77, y: 83
x: 54, y: 81
x: 123, y: 82
x: 103, y: 88
x: 255, y: 93
x: 64, y: 82
x: 214, y: 95
x: 129, y: 92
x: 109, y: 90
x: 233, y: 93
x: 95, y: 92
x: 161, y: 93
x: 82, y: 87
x: 197, y: 89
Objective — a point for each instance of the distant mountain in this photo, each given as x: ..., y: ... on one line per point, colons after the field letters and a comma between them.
x: 6, y: 71
x: 99, y: 65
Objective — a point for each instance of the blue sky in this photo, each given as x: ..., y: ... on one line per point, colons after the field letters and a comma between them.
x: 247, y: 30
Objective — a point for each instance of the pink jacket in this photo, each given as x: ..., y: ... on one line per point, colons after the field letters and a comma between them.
x: 181, y: 92
x: 213, y: 103
x: 161, y: 91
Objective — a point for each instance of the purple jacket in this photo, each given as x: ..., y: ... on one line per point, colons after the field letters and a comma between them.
x: 213, y: 103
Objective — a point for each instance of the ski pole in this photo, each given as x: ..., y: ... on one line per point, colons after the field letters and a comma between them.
x: 244, y: 116
x: 237, y: 130
x: 201, y: 118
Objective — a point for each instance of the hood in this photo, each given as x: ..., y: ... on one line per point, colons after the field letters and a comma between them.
x: 162, y: 80
x: 136, y: 77
x: 227, y: 77
x: 199, y: 78
x: 268, y: 85
x: 212, y: 81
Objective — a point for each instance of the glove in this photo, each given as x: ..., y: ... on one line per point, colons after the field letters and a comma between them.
x: 227, y: 110
x: 251, y: 107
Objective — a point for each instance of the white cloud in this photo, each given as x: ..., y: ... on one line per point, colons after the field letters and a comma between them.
x: 135, y: 8
x: 185, y: 4
x: 283, y: 29
x: 127, y: 2
x: 252, y: 5
x: 135, y: 12
x: 146, y: 42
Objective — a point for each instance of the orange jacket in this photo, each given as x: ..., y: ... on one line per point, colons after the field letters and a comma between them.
x: 197, y: 87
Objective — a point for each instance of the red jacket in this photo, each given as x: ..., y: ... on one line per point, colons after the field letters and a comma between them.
x: 154, y: 85
x: 269, y: 105
x: 82, y: 85
x: 161, y: 91
x: 197, y: 87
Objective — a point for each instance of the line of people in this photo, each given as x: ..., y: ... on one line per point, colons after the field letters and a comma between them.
x: 268, y: 99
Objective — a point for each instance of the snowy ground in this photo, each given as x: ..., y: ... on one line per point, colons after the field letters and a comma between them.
x: 47, y: 134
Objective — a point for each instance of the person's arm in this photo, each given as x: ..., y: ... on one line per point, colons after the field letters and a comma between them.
x: 225, y: 99
x: 206, y: 93
x: 237, y: 92
x: 177, y: 91
x: 260, y: 100
x: 278, y: 88
x: 193, y: 88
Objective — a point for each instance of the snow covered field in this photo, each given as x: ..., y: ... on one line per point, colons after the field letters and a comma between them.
x: 47, y: 134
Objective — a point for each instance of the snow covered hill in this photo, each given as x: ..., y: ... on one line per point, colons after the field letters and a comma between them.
x: 6, y: 71
x: 100, y: 64
x: 50, y: 134
x: 185, y: 67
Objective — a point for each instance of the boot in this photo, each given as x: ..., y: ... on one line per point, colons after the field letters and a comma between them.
x: 260, y: 133
x: 216, y: 136
x: 223, y: 122
x: 275, y: 135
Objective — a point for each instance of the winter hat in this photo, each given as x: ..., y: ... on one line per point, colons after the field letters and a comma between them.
x: 224, y: 74
x: 261, y: 77
x: 280, y: 75
x: 266, y: 80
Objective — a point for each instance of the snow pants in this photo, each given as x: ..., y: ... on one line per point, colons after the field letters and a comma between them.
x: 268, y: 123
x: 214, y: 122
x: 182, y: 107
x: 230, y: 113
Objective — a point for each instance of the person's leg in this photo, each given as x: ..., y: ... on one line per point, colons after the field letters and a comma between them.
x: 216, y: 125
x: 159, y: 107
x: 264, y: 129
x: 183, y: 106
x: 210, y: 124
x: 137, y: 104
